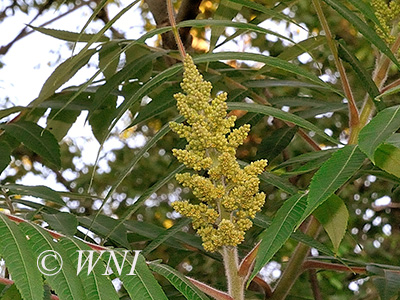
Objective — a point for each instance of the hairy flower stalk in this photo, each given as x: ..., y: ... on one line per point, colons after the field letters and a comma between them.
x: 229, y: 195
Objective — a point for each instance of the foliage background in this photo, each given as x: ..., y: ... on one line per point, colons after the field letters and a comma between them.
x: 373, y: 231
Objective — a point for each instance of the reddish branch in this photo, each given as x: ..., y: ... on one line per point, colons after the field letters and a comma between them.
x: 314, y: 264
x: 314, y: 284
x: 217, y: 294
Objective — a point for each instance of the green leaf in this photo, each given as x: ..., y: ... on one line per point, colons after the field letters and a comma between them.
x: 294, y: 51
x: 366, y: 9
x: 306, y: 157
x: 179, y: 241
x: 279, y: 182
x: 226, y: 11
x: 303, y: 101
x: 63, y: 73
x: 261, y: 8
x: 221, y: 24
x: 132, y: 70
x: 387, y: 157
x: 39, y: 140
x: 106, y: 227
x: 11, y: 293
x: 135, y: 206
x: 163, y: 131
x: 263, y: 83
x: 273, y: 145
x: 268, y: 60
x: 280, y: 114
x: 308, y: 167
x: 8, y: 111
x: 107, y: 26
x: 66, y: 284
x: 172, y: 71
x: 165, y: 235
x: 159, y: 103
x: 382, y: 126
x: 143, y: 285
x: 63, y: 222
x: 60, y: 121
x: 136, y: 52
x: 333, y: 216
x: 157, y: 80
x: 102, y: 116
x: 332, y: 175
x: 38, y: 191
x: 109, y: 58
x: 264, y: 222
x: 368, y: 32
x: 97, y: 286
x: 68, y: 35
x: 387, y: 282
x: 364, y: 78
x: 21, y: 264
x: 394, y: 140
x: 179, y: 281
x: 285, y: 221
x: 5, y: 159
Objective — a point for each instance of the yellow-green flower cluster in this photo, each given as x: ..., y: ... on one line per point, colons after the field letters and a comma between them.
x: 229, y: 195
x: 388, y: 15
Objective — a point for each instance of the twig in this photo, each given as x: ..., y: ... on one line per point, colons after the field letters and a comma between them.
x: 314, y: 264
x: 171, y: 17
x: 217, y: 294
x: 382, y: 207
x: 8, y: 202
x: 390, y: 86
x: 264, y: 285
x: 314, y: 284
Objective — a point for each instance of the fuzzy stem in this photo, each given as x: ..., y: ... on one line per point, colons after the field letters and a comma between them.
x: 171, y: 17
x: 231, y: 264
x: 294, y: 266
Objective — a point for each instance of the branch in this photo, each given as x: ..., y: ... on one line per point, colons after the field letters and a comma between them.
x: 171, y: 18
x: 217, y: 294
x: 314, y: 264
x: 314, y: 285
x: 264, y: 285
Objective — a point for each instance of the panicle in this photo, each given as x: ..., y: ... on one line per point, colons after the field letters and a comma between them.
x: 229, y: 195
